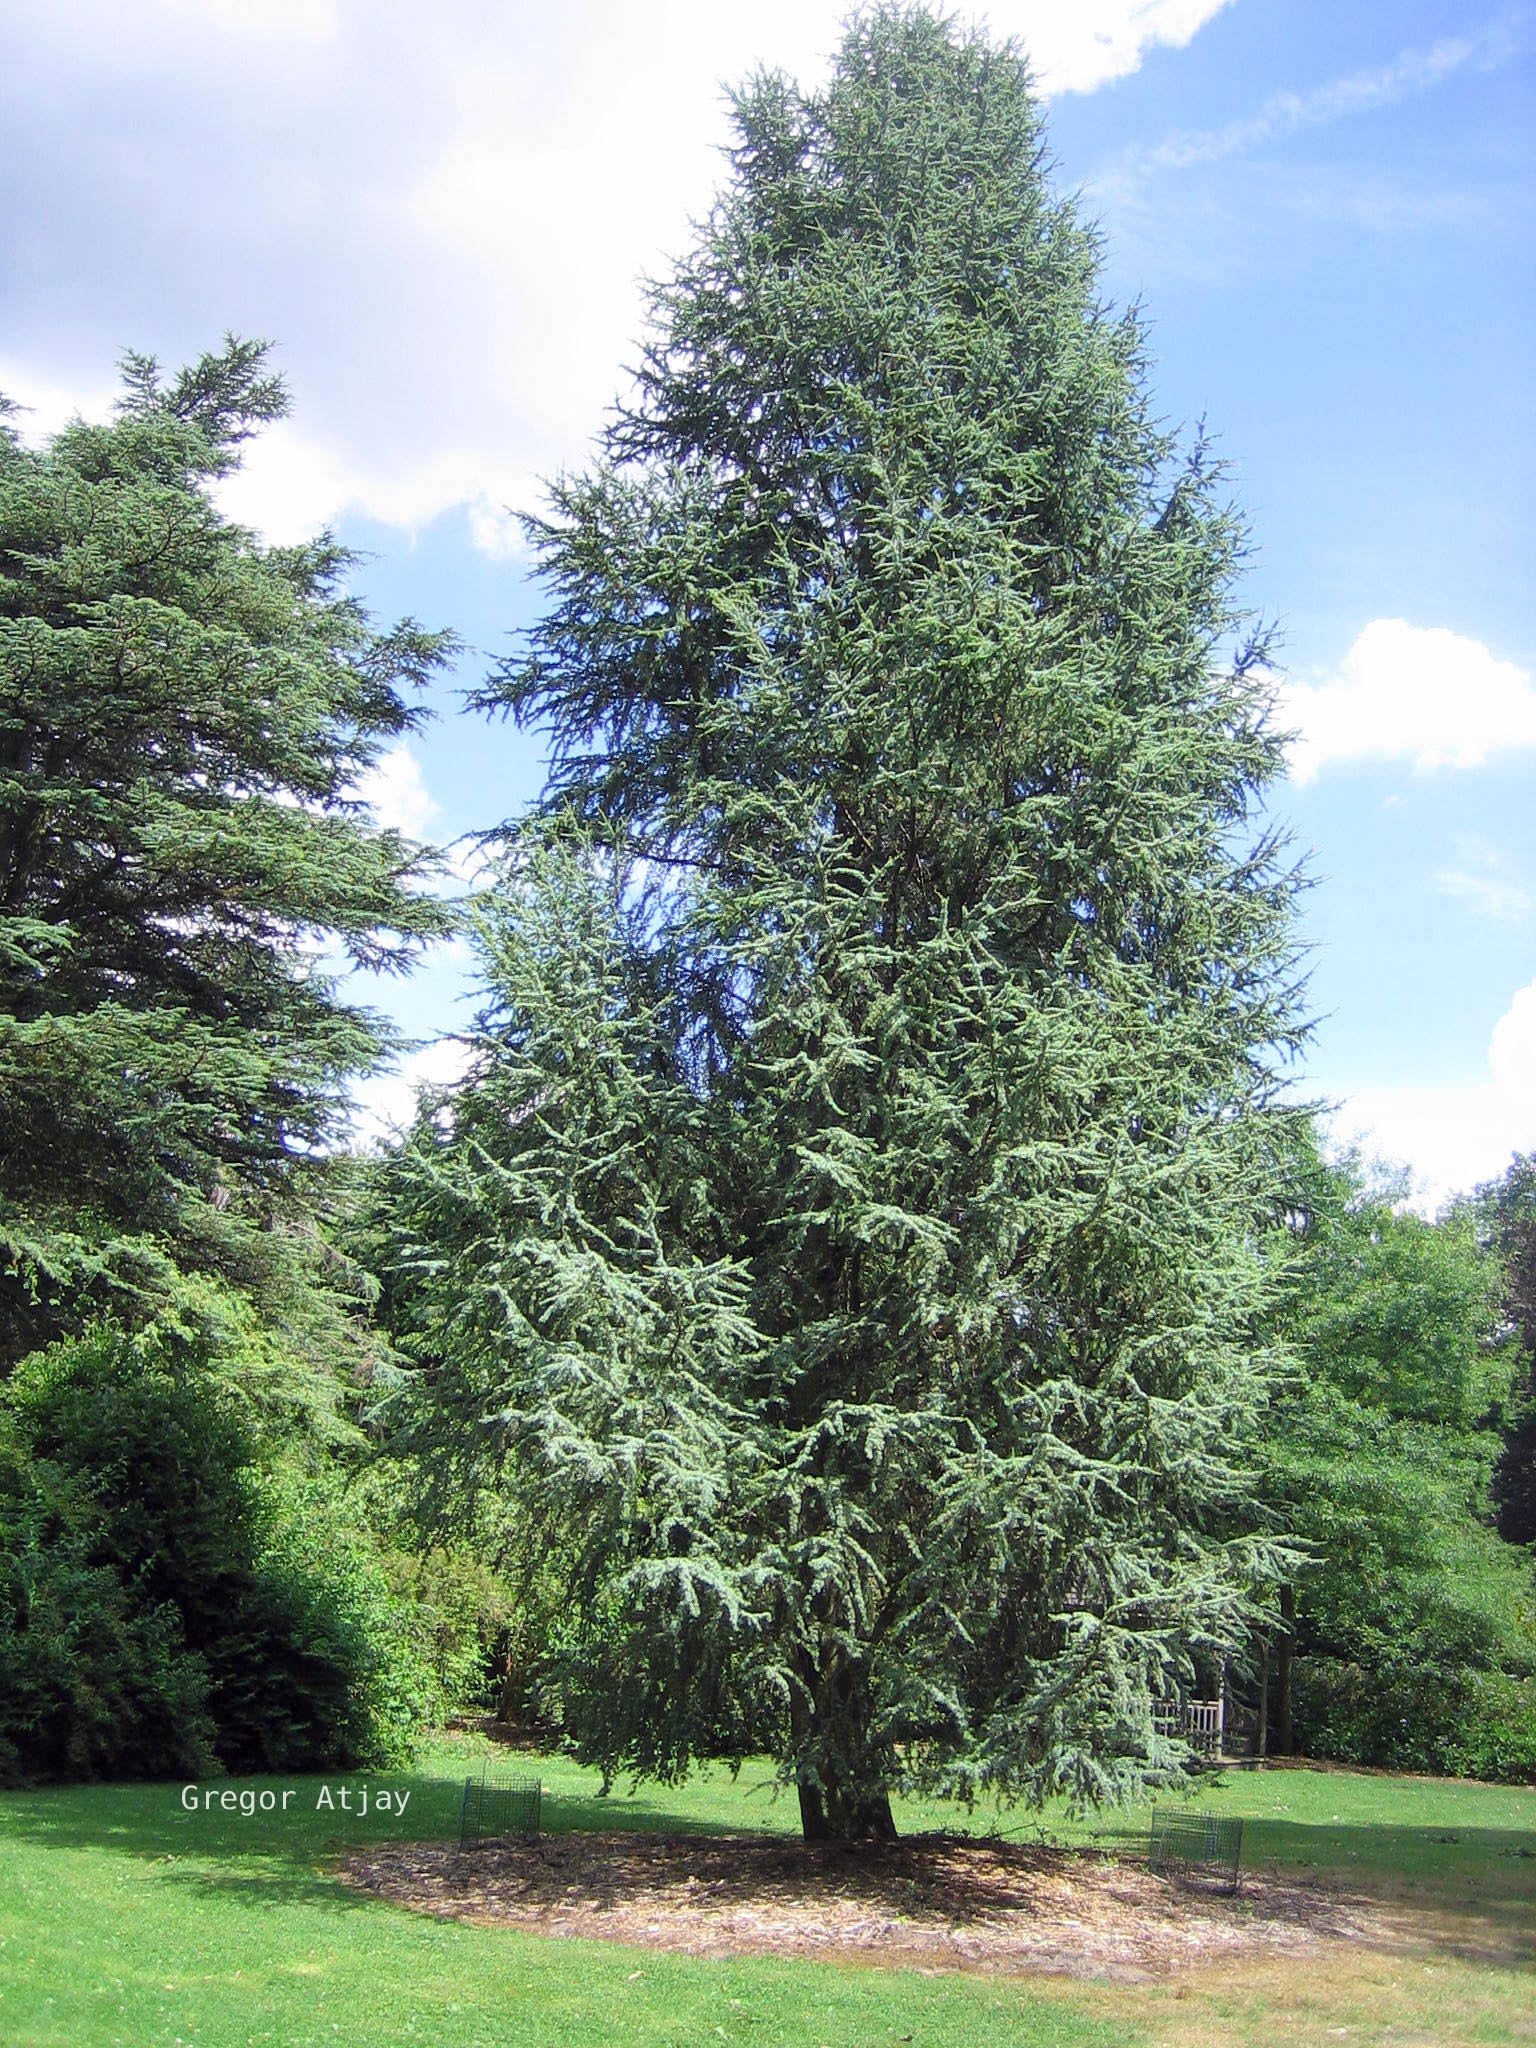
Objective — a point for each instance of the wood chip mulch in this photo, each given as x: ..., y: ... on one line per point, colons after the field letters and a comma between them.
x: 927, y: 1902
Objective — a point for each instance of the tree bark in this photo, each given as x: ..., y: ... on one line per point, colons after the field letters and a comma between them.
x: 1261, y: 1745
x: 844, y: 1801
x: 813, y: 1814
x: 1284, y: 1650
x: 865, y: 1817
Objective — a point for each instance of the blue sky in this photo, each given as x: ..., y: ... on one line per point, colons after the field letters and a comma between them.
x: 441, y: 214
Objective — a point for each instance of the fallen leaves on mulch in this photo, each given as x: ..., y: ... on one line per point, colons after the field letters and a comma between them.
x: 927, y: 1902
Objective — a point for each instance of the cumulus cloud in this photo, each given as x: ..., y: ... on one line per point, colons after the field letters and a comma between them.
x: 1419, y: 694
x: 396, y: 792
x: 1512, y: 1053
x: 384, y: 1105
x: 45, y: 407
x: 1455, y: 1134
x: 291, y: 483
x: 442, y: 214
x: 191, y: 34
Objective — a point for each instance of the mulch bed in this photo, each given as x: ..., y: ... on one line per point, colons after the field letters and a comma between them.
x: 927, y: 1902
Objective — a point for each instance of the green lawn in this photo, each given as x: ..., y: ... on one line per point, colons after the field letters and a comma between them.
x: 125, y: 1920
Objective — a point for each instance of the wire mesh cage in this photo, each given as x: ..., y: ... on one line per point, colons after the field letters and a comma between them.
x: 500, y: 1809
x: 1196, y: 1845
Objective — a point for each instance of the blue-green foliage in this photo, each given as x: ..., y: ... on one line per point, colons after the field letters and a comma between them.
x: 185, y: 715
x: 845, y: 1245
x: 168, y: 1604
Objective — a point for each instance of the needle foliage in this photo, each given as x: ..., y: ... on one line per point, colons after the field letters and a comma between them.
x: 845, y: 1246
x: 185, y: 862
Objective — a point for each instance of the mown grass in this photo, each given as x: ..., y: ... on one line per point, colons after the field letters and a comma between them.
x: 125, y: 1920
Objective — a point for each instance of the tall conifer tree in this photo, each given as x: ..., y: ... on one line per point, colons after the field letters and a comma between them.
x: 845, y: 1238
x: 184, y: 716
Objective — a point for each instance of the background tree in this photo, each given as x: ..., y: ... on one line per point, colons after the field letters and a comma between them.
x: 1414, y: 1627
x: 845, y: 1239
x: 1505, y: 1210
x: 184, y: 715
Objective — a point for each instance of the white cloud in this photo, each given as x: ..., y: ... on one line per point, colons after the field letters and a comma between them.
x: 1285, y: 113
x: 1512, y: 1053
x: 45, y: 407
x: 396, y: 791
x: 189, y: 35
x: 467, y: 864
x: 1079, y: 48
x: 1453, y: 1135
x: 1492, y: 896
x: 1485, y: 883
x: 288, y: 486
x: 1420, y: 694
x: 1214, y: 230
x: 384, y: 1104
x: 291, y: 484
x: 494, y: 527
x: 442, y: 214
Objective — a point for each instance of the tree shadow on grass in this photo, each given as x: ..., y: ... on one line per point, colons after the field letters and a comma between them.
x: 1468, y: 1891
x: 260, y: 1857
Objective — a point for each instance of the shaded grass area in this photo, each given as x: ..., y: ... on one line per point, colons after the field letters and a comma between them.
x: 124, y: 1919
x: 1449, y: 1866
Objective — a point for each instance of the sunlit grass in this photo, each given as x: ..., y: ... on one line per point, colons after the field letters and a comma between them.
x: 126, y: 1920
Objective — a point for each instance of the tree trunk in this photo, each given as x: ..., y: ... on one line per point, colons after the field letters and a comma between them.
x: 1261, y: 1745
x: 813, y: 1814
x: 1284, y: 1649
x: 864, y: 1817
x: 813, y: 1808
x: 845, y: 1801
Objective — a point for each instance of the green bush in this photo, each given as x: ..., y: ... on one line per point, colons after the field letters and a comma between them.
x: 1497, y: 1735
x: 343, y: 1618
x: 1418, y: 1717
x: 168, y: 1604
x: 459, y: 1612
x: 92, y: 1683
x: 483, y: 1606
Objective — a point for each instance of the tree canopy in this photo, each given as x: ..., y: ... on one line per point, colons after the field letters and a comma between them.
x: 1381, y: 1459
x: 846, y: 1240
x: 185, y: 860
x: 1505, y: 1213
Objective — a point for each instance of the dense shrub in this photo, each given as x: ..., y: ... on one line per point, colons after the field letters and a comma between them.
x: 1497, y: 1735
x: 167, y: 1602
x: 345, y: 1619
x: 1419, y: 1717
x: 94, y: 1681
x: 484, y: 1605
x: 1414, y: 1620
x: 459, y: 1613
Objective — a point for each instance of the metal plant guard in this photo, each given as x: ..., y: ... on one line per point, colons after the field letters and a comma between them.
x: 500, y: 1809
x: 1184, y: 1845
